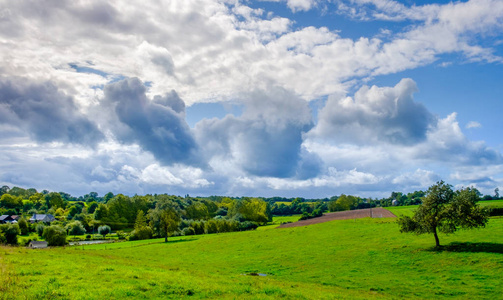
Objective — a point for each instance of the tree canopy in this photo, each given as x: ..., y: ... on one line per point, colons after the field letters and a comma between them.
x: 446, y: 211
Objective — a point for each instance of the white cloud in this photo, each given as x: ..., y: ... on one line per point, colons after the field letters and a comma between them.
x: 375, y: 115
x: 300, y: 5
x: 473, y: 124
x: 219, y: 50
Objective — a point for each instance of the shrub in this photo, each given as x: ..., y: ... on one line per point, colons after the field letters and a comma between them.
x: 39, y: 228
x: 495, y: 211
x: 121, y: 235
x: 75, y: 228
x: 210, y: 227
x: 26, y: 241
x: 142, y: 233
x: 247, y: 225
x: 198, y: 227
x: 104, y: 230
x: 9, y: 233
x: 188, y: 231
x: 54, y: 235
x: 23, y: 226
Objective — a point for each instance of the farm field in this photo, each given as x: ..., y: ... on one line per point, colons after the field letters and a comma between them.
x: 409, y: 210
x: 348, y: 259
x: 343, y: 215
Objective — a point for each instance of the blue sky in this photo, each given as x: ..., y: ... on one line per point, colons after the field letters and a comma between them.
x: 260, y: 98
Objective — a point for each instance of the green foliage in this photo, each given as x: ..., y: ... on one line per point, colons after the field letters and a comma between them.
x: 141, y: 230
x: 370, y: 258
x: 54, y: 200
x: 188, y: 231
x: 444, y: 210
x: 210, y: 227
x: 495, y: 211
x: 104, y: 230
x: 11, y: 202
x: 252, y: 209
x: 165, y: 217
x: 92, y: 207
x: 121, y: 210
x: 4, y: 190
x: 343, y: 202
x: 101, y: 212
x: 39, y: 228
x: 23, y: 226
x: 75, y: 228
x: 197, y: 211
x: 55, y: 235
x: 9, y: 233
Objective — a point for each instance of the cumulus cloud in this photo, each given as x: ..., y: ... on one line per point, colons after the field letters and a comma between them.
x: 375, y: 115
x: 447, y: 143
x: 228, y: 47
x: 45, y: 113
x: 266, y: 140
x: 300, y: 5
x: 157, y: 125
x: 76, y: 54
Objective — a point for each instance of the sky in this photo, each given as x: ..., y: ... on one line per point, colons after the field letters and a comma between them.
x: 291, y: 98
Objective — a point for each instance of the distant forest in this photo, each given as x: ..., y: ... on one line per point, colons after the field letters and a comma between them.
x: 163, y: 215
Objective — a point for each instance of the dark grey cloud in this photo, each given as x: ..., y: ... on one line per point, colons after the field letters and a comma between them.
x: 266, y: 140
x: 387, y: 114
x: 157, y: 125
x: 44, y: 113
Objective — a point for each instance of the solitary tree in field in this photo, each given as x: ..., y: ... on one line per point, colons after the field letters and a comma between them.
x: 166, y: 218
x: 446, y: 211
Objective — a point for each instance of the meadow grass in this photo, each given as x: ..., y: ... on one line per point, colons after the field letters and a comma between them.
x: 348, y: 259
x: 409, y: 210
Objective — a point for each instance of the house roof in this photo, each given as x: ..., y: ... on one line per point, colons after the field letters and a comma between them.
x: 41, y: 217
x: 38, y: 244
x: 4, y: 217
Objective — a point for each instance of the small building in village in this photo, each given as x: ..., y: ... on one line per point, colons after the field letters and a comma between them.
x: 5, y: 219
x: 42, y: 218
x: 37, y: 244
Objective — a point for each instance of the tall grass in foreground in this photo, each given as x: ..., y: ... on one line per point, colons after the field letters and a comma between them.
x: 352, y: 259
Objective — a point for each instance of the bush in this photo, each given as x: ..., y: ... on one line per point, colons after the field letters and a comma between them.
x: 198, y: 227
x: 495, y: 211
x: 210, y: 227
x: 54, y: 235
x: 188, y: 231
x: 26, y: 241
x: 39, y: 228
x: 75, y: 228
x: 104, y: 230
x: 23, y: 226
x: 248, y: 225
x: 9, y: 233
x: 143, y: 233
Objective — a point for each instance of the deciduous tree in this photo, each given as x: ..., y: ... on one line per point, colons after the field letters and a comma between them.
x: 446, y: 211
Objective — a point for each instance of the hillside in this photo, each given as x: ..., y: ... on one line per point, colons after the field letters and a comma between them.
x: 353, y: 259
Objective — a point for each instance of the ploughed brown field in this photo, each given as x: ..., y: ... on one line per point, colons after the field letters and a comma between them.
x: 377, y: 212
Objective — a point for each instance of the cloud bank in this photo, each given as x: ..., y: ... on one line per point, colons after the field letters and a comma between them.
x: 92, y: 95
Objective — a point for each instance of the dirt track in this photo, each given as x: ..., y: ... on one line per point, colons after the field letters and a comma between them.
x: 343, y: 215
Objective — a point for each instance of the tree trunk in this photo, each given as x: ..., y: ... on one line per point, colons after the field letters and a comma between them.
x: 166, y: 237
x: 437, y: 242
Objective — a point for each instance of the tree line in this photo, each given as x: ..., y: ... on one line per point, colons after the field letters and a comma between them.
x: 142, y: 217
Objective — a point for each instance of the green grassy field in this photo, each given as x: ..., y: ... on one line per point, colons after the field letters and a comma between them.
x: 409, y: 210
x: 350, y: 259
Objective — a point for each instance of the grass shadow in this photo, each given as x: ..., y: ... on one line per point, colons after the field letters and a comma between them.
x: 471, y: 247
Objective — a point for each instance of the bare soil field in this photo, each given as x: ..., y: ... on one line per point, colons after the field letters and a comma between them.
x: 377, y: 212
